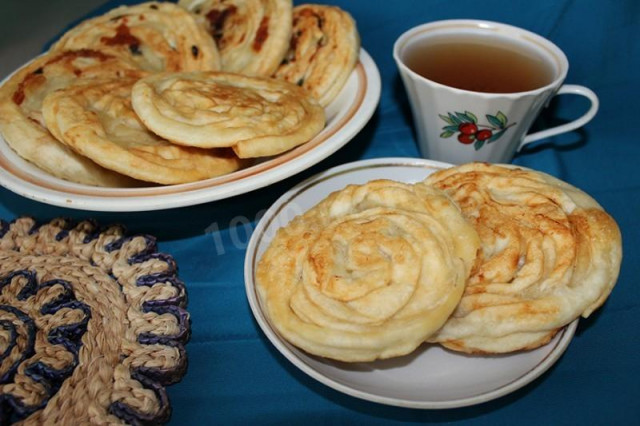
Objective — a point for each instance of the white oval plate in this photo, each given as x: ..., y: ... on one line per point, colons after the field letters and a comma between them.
x: 346, y: 116
x: 429, y: 378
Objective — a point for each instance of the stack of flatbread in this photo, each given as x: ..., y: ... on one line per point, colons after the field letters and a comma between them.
x: 173, y: 93
x: 480, y: 258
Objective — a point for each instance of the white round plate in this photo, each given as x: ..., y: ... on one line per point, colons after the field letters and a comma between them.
x: 429, y: 378
x: 346, y: 116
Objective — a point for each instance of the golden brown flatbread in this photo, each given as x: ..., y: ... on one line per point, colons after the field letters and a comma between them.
x: 324, y: 49
x: 97, y: 121
x: 154, y: 36
x: 369, y: 272
x: 550, y: 254
x: 22, y: 124
x: 252, y: 36
x: 254, y: 115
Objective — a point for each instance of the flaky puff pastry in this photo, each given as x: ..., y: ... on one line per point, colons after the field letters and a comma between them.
x: 96, y: 120
x: 22, y: 124
x: 323, y: 50
x: 252, y: 35
x: 155, y: 36
x: 549, y: 255
x: 369, y: 272
x: 256, y: 116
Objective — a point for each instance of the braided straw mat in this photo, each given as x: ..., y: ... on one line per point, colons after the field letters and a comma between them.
x: 92, y: 325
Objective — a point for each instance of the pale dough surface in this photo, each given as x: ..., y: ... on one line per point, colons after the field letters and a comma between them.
x: 155, y: 36
x: 550, y: 254
x: 369, y: 272
x: 22, y: 124
x: 254, y: 115
x: 97, y: 121
x: 324, y: 49
x: 251, y: 35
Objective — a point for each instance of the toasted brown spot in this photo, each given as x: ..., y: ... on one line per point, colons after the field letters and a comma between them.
x: 123, y: 36
x: 84, y: 53
x: 293, y: 43
x: 217, y: 19
x: 38, y: 74
x: 18, y: 95
x: 262, y: 34
x: 30, y: 79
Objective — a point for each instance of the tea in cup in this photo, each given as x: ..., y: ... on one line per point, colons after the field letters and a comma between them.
x: 476, y: 87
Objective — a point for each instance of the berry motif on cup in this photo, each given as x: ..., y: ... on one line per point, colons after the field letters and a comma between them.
x: 469, y: 131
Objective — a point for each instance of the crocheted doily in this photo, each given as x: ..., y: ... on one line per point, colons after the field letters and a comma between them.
x: 92, y: 325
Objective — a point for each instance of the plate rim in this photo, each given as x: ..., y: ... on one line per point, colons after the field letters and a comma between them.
x: 371, y: 88
x: 285, y: 349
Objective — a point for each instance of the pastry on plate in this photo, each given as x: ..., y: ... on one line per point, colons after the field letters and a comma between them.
x: 370, y: 272
x: 256, y: 116
x: 154, y: 36
x: 550, y: 254
x: 323, y: 50
x: 252, y: 35
x: 97, y: 121
x: 22, y: 124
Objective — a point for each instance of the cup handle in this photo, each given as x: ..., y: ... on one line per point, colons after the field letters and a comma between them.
x: 571, y: 89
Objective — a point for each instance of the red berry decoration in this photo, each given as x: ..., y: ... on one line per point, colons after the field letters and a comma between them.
x: 466, y: 139
x: 467, y: 129
x: 484, y: 134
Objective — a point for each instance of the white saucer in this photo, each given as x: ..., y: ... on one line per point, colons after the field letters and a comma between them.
x: 429, y: 378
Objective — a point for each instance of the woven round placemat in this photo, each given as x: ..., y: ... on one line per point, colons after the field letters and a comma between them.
x: 92, y: 325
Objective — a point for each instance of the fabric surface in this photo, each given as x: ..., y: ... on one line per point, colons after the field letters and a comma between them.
x: 236, y: 376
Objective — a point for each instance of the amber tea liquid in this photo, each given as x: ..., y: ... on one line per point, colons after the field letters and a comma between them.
x: 479, y: 65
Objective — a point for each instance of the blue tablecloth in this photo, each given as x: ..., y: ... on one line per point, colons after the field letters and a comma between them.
x: 235, y: 375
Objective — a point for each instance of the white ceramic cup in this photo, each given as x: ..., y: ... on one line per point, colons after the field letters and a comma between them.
x: 440, y: 110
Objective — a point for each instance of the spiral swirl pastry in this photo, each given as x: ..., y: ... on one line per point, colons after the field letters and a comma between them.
x: 92, y: 325
x: 22, y: 124
x: 154, y: 36
x: 550, y: 254
x: 255, y: 116
x: 323, y: 50
x: 370, y: 272
x: 252, y: 36
x: 97, y: 120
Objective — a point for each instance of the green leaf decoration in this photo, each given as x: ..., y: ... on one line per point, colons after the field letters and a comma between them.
x: 455, y: 119
x: 464, y: 118
x: 496, y: 136
x: 447, y: 134
x: 478, y: 144
x: 450, y: 128
x: 472, y: 116
x: 503, y: 119
x: 494, y: 121
x: 446, y: 118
